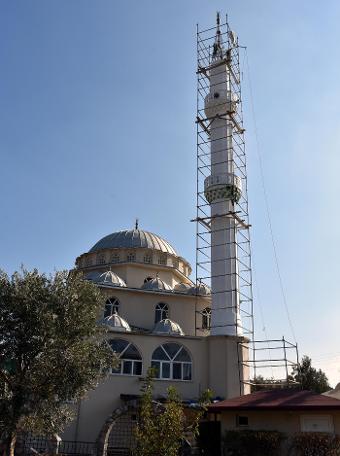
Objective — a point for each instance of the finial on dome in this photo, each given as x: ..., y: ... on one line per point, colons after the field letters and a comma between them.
x: 136, y: 225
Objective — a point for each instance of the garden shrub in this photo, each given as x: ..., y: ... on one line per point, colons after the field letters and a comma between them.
x: 252, y: 443
x: 315, y: 444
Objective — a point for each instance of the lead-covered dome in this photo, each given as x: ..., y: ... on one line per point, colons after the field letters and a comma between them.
x: 116, y: 323
x: 156, y: 284
x: 108, y: 279
x: 169, y: 327
x: 182, y: 287
x: 134, y: 239
x: 202, y: 290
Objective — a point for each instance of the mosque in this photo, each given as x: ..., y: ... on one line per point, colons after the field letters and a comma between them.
x: 155, y: 314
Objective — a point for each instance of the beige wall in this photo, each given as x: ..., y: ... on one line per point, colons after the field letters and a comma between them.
x: 103, y: 260
x: 287, y: 422
x: 223, y: 362
x: 106, y: 398
x: 138, y: 307
x: 101, y: 402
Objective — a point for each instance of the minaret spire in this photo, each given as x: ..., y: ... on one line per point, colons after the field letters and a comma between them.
x: 218, y: 46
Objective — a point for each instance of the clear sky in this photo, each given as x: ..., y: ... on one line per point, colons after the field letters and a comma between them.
x: 97, y: 108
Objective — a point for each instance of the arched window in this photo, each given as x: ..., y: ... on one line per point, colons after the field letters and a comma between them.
x: 130, y: 360
x: 172, y: 362
x: 162, y: 259
x: 101, y: 258
x: 115, y: 258
x: 88, y: 261
x: 161, y: 312
x: 148, y: 279
x: 206, y: 318
x: 111, y: 307
x: 131, y: 257
x: 147, y: 258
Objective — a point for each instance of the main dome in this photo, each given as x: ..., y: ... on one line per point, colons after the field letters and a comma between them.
x: 136, y: 238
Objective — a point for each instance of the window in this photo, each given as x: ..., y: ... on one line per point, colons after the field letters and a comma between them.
x: 131, y: 257
x: 241, y: 421
x: 111, y: 307
x: 175, y: 263
x: 147, y: 258
x: 130, y: 360
x: 101, y: 258
x: 148, y: 279
x: 88, y: 261
x: 162, y: 259
x: 206, y: 318
x: 161, y: 312
x: 115, y: 258
x: 172, y: 362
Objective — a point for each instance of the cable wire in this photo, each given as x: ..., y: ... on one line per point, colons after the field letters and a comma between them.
x: 284, y: 298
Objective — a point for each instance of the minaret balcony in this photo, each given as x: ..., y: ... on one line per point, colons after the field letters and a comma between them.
x: 223, y: 187
x: 220, y: 102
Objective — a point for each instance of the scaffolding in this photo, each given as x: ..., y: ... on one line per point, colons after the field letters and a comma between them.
x: 215, y: 107
x: 239, y: 213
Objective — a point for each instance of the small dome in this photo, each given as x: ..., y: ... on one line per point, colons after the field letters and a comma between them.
x: 182, y: 287
x: 92, y: 276
x: 202, y: 290
x: 109, y: 279
x: 156, y: 284
x: 116, y: 323
x: 129, y: 239
x: 167, y: 326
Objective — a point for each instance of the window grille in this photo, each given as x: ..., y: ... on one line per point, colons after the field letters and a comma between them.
x: 161, y: 312
x: 111, y: 307
x: 172, y: 362
x: 130, y: 360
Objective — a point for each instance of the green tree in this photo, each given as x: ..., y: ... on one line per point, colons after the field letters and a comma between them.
x: 51, y: 350
x: 147, y: 429
x: 309, y: 378
x: 171, y: 425
x: 161, y: 428
x: 259, y: 383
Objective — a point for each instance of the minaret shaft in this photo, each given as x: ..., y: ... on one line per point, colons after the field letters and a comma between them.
x: 220, y: 192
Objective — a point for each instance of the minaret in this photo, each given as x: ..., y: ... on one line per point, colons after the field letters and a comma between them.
x: 222, y: 189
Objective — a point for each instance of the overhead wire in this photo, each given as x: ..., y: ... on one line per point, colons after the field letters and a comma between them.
x: 266, y: 200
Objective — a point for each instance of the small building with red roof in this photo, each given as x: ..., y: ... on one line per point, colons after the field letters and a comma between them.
x: 285, y: 410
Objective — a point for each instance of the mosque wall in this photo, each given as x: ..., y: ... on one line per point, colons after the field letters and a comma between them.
x: 138, y: 307
x: 100, y: 403
x: 214, y: 366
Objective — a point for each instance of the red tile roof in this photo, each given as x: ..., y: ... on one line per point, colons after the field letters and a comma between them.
x: 278, y: 399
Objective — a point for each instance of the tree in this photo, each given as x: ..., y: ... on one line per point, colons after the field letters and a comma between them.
x: 259, y: 383
x: 51, y: 350
x: 161, y: 427
x: 309, y: 378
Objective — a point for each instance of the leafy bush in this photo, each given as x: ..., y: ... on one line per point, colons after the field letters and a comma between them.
x: 315, y: 444
x: 252, y: 443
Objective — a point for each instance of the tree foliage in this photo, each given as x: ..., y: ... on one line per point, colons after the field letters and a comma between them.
x: 161, y: 428
x: 51, y: 349
x: 310, y: 378
x: 259, y: 383
x: 304, y: 374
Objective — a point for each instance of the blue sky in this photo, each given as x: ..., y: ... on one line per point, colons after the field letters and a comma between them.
x: 97, y: 107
